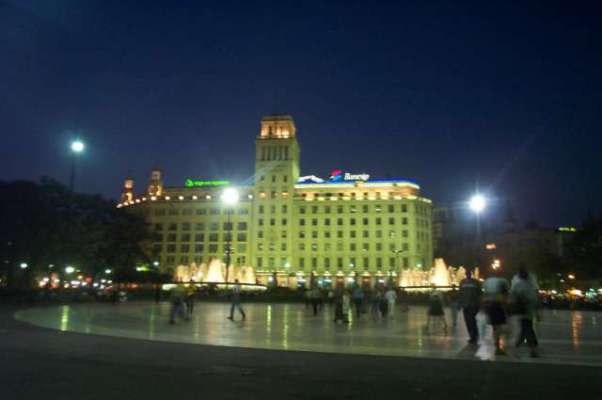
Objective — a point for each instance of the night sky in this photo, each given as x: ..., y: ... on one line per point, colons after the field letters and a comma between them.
x: 507, y: 95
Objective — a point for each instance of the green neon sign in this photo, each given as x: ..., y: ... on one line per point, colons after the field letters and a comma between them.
x: 200, y: 183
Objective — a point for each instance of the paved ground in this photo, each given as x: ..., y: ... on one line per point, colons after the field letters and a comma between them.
x: 59, y: 364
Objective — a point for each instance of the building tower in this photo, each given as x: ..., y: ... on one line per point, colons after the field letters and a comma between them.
x: 276, y: 172
x: 155, y: 186
x: 128, y: 191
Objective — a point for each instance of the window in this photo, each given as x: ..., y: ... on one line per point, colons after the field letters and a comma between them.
x: 314, y: 222
x: 327, y: 221
x: 260, y: 234
x: 302, y: 222
x: 199, y: 248
x: 365, y: 221
x: 352, y: 234
x: 351, y: 221
x: 272, y: 221
x: 200, y: 211
x: 339, y: 262
x: 302, y: 263
x: 339, y: 209
x: 378, y: 221
x: 340, y: 234
x: 326, y: 263
x: 184, y: 259
x: 185, y: 237
x: 379, y: 246
x: 158, y: 227
x: 379, y: 262
x: 379, y: 234
x: 405, y: 247
x: 214, y: 226
x: 366, y: 246
x: 283, y: 246
x: 241, y: 226
x: 391, y: 208
x: 173, y: 227
x: 314, y: 247
x: 171, y: 248
x: 283, y: 222
x: 327, y: 234
x: 314, y: 263
x: 406, y: 262
x: 352, y: 247
x: 366, y: 263
x: 340, y: 246
x: 160, y: 212
x: 404, y: 208
x: 366, y: 234
x: 284, y: 234
x: 260, y: 221
x: 228, y: 226
x: 187, y: 211
x: 392, y: 262
x: 184, y: 248
x: 352, y: 210
x: 171, y: 237
x: 213, y: 237
x: 259, y: 246
x: 186, y: 226
x: 301, y: 246
x: 301, y: 234
x: 391, y: 221
x: 243, y: 211
x: 259, y: 262
x: 314, y: 234
x: 314, y: 209
x: 173, y: 211
x: 199, y: 226
x: 404, y: 233
x: 404, y: 221
x: 284, y: 209
x: 327, y: 209
x: 391, y: 246
x: 301, y: 210
x: 365, y: 208
x: 241, y: 237
x: 339, y: 221
x: 157, y: 237
x: 272, y: 209
x: 260, y: 210
x: 214, y: 211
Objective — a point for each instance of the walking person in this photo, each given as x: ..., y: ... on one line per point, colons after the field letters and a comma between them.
x: 375, y: 298
x: 178, y: 305
x: 523, y: 298
x: 391, y: 297
x: 358, y: 298
x: 435, y: 311
x: 235, y: 299
x: 495, y: 291
x: 337, y: 298
x: 315, y: 297
x: 190, y: 294
x: 346, y: 305
x: 469, y: 299
x: 454, y: 305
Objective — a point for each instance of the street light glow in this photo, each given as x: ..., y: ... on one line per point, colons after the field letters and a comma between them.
x: 77, y: 146
x: 230, y: 196
x: 69, y: 269
x: 477, y: 203
x: 23, y: 265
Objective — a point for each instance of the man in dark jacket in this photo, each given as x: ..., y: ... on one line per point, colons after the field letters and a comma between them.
x: 470, y: 300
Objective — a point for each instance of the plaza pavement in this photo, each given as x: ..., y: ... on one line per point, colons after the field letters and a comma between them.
x: 213, y: 357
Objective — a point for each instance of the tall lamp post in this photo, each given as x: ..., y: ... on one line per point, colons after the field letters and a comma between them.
x: 77, y: 147
x: 477, y: 204
x: 229, y: 198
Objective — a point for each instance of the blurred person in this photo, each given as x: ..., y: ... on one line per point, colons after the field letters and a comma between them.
x: 178, y: 305
x: 435, y: 310
x: 315, y: 297
x: 391, y: 296
x: 523, y: 298
x: 469, y: 299
x: 454, y: 305
x: 235, y: 301
x: 190, y: 294
x: 495, y: 292
x: 358, y: 298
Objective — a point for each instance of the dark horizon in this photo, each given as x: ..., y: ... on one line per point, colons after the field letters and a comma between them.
x: 503, y: 96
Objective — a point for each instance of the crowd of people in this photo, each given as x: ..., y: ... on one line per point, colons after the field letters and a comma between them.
x: 493, y: 300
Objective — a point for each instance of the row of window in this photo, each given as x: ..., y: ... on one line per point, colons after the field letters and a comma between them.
x: 185, y: 259
x: 327, y: 262
x: 160, y: 212
x: 200, y: 237
x: 365, y: 208
x: 212, y: 248
x: 354, y: 221
x: 269, y: 153
x: 351, y: 246
x: 200, y: 226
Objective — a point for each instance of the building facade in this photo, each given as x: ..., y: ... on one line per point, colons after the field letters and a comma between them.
x: 287, y: 224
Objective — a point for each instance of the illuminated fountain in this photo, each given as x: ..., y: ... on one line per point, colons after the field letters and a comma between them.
x: 439, y: 275
x: 215, y: 272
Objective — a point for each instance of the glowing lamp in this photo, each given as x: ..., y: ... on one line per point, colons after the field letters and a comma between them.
x: 477, y: 203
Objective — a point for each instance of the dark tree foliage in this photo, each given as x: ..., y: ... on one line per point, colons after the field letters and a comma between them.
x: 44, y: 224
x: 585, y: 250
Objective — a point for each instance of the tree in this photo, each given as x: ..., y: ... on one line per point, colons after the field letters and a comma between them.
x: 45, y: 224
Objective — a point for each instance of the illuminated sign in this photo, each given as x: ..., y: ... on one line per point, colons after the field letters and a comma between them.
x: 338, y: 175
x: 567, y: 229
x: 200, y: 183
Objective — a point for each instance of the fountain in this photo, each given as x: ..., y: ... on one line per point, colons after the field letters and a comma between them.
x: 439, y: 275
x: 215, y: 272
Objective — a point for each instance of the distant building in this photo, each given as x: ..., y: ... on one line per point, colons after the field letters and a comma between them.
x: 286, y: 223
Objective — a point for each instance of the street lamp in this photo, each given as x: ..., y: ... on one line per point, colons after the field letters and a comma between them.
x: 69, y: 269
x: 23, y: 265
x: 77, y: 147
x: 229, y: 197
x: 477, y: 204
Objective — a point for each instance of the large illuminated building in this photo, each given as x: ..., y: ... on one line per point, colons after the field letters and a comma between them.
x: 289, y: 225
